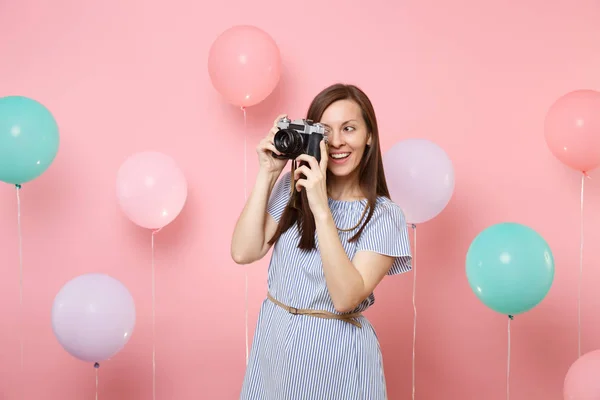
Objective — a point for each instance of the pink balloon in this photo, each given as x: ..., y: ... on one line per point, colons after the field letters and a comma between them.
x: 244, y: 65
x: 572, y: 129
x: 581, y: 382
x: 420, y: 178
x: 151, y: 189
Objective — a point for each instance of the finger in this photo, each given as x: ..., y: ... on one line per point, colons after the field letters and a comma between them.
x: 278, y: 118
x: 270, y: 147
x: 309, y: 159
x: 324, y: 156
x: 264, y: 143
x: 301, y: 183
x: 261, y: 145
x: 272, y: 133
x: 302, y: 170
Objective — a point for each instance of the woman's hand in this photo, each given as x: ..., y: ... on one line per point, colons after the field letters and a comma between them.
x: 314, y: 181
x: 265, y: 148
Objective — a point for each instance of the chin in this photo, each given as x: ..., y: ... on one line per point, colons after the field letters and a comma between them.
x: 344, y: 168
x: 341, y: 171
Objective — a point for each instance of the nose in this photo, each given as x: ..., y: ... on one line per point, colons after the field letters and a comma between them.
x: 334, y: 138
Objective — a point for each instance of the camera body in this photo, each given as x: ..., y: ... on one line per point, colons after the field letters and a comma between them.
x: 300, y: 136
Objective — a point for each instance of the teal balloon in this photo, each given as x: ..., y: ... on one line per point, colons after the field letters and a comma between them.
x: 510, y: 268
x: 29, y: 139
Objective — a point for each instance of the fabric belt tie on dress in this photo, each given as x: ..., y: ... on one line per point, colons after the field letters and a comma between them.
x: 318, y: 313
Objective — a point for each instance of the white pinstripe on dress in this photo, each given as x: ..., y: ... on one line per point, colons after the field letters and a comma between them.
x: 300, y: 357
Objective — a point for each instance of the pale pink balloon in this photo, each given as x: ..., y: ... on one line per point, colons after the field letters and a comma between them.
x: 581, y: 382
x: 244, y: 64
x: 420, y: 178
x: 151, y: 189
x: 572, y: 129
x: 93, y: 317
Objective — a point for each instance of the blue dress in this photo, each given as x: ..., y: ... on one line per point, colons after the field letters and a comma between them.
x: 301, y: 357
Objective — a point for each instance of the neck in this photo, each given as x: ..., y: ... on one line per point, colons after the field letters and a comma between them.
x: 345, y: 188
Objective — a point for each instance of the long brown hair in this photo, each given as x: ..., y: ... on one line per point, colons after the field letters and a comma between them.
x: 371, y: 176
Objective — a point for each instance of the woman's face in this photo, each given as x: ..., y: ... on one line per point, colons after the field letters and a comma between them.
x: 347, y: 137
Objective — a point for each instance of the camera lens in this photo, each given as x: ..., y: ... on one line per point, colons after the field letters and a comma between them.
x: 288, y: 142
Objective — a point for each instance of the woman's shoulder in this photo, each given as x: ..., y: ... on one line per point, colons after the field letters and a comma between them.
x: 387, y: 208
x: 384, y: 203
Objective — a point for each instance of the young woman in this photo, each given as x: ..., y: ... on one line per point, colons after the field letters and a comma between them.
x: 336, y: 234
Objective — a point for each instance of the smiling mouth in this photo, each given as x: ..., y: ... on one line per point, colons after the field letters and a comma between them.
x: 339, y: 156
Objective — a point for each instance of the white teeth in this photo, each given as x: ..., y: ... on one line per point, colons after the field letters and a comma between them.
x: 340, y: 155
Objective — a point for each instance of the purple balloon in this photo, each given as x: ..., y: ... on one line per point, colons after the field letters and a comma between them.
x: 420, y: 178
x: 93, y: 316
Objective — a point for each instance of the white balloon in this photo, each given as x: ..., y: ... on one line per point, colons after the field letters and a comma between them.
x: 420, y: 178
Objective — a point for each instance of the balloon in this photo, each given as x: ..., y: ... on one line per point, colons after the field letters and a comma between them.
x: 572, y: 129
x: 581, y: 382
x: 151, y: 189
x: 244, y: 65
x: 420, y: 178
x: 93, y: 316
x: 29, y: 139
x: 510, y: 268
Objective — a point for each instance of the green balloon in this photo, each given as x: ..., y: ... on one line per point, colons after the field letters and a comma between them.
x: 510, y: 268
x: 29, y: 139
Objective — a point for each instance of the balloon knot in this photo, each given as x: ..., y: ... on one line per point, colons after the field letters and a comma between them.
x: 511, y: 317
x: 96, y: 365
x: 18, y: 186
x: 155, y: 231
x: 414, y: 226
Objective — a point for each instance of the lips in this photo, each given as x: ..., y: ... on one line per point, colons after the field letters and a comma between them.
x: 339, y: 156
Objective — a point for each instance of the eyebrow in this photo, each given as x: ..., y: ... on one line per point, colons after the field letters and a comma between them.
x: 350, y: 120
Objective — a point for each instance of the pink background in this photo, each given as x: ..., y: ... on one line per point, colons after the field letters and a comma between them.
x: 476, y: 77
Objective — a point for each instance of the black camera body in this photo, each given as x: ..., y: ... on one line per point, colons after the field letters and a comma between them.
x: 300, y: 136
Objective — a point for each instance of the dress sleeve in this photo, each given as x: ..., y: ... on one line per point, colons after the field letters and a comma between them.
x: 386, y: 233
x: 280, y: 196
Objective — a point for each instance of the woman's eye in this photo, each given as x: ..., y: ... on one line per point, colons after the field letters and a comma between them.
x: 349, y: 128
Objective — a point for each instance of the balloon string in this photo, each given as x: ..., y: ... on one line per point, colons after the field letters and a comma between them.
x: 20, y: 241
x: 583, y: 176
x: 245, y: 198
x: 96, y: 366
x: 510, y: 317
x: 154, y: 232
x: 414, y: 262
x: 245, y: 154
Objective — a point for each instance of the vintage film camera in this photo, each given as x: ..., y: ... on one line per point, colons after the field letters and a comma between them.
x: 300, y: 136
